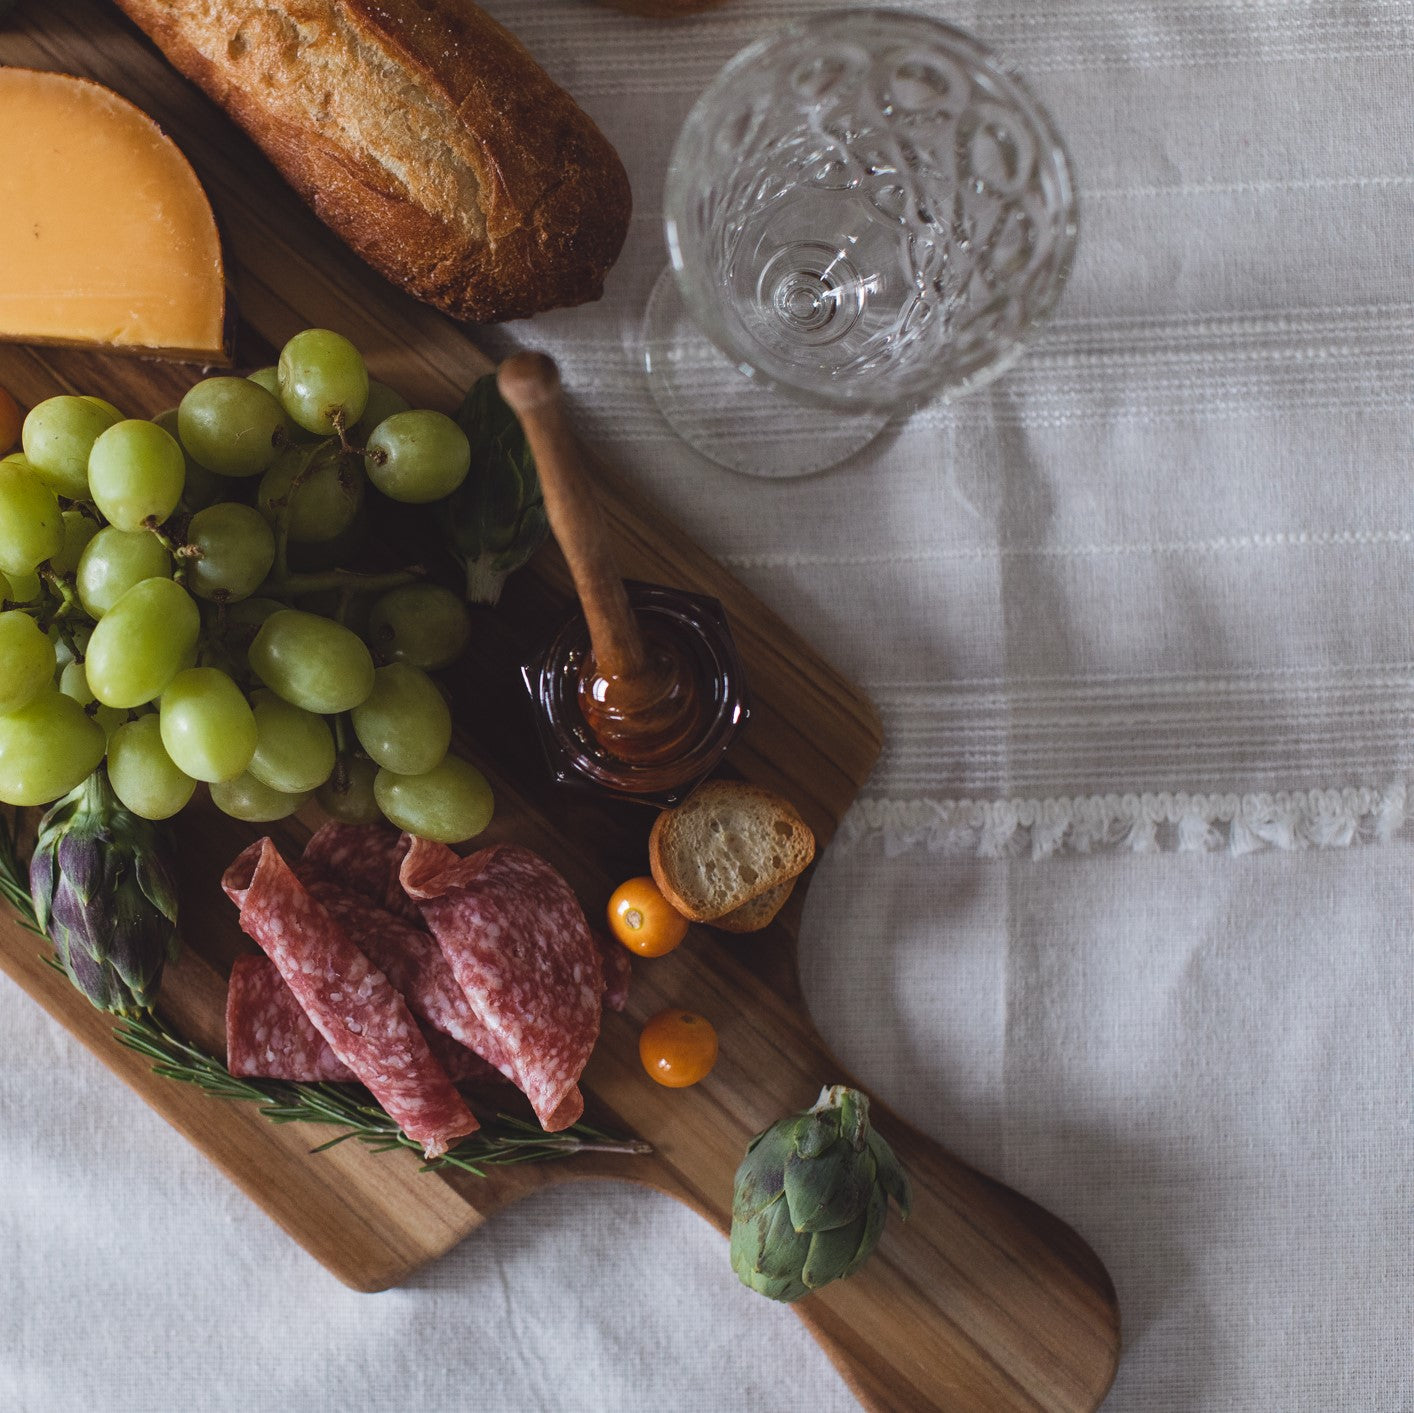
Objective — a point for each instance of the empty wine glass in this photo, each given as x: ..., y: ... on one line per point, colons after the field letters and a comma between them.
x: 865, y: 211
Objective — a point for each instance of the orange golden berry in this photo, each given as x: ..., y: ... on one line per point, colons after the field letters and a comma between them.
x: 643, y: 919
x: 678, y: 1048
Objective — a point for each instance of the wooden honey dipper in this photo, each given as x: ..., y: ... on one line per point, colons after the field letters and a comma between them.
x: 640, y: 697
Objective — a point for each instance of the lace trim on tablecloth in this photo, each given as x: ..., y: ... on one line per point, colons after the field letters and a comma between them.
x: 1148, y: 823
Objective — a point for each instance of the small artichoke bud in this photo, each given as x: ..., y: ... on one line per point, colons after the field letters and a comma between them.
x: 105, y: 896
x: 811, y: 1197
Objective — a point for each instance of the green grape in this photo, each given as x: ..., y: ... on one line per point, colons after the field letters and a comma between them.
x: 405, y: 725
x: 31, y: 527
x: 247, y: 798
x: 73, y: 682
x: 24, y: 588
x: 110, y: 719
x: 78, y: 531
x: 47, y: 748
x: 58, y: 436
x: 348, y: 793
x: 420, y: 624
x: 451, y: 802
x: 113, y: 561
x: 207, y: 725
x: 237, y: 552
x: 27, y: 661
x: 135, y: 473
x: 294, y: 750
x: 141, y: 772
x: 141, y: 643
x: 232, y: 426
x: 323, y: 381
x: 267, y: 378
x: 417, y: 457
x: 200, y: 487
x: 328, y: 497
x: 383, y: 401
x: 311, y: 661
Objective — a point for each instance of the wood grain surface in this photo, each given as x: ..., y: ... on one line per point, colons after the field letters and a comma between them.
x: 982, y: 1301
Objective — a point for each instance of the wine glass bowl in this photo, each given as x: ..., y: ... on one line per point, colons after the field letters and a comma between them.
x: 868, y: 210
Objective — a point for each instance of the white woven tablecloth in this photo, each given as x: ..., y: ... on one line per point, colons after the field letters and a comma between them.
x: 1140, y: 621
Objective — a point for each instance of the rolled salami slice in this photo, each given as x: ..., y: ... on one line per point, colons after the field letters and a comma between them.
x: 349, y: 1001
x: 268, y: 1036
x: 520, y: 949
x: 414, y: 963
x: 363, y: 859
x: 366, y: 859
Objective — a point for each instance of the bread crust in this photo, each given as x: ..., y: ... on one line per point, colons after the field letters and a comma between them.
x: 551, y: 198
x: 759, y: 913
x: 662, y: 844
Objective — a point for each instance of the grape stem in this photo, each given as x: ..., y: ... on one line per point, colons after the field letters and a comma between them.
x: 344, y: 750
x: 283, y: 583
x: 181, y: 554
x: 66, y: 632
x: 63, y: 588
x: 291, y: 586
x: 153, y: 526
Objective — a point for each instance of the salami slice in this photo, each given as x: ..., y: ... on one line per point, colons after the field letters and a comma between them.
x: 268, y: 1036
x: 618, y: 971
x: 465, y: 1066
x: 364, y: 859
x: 414, y: 963
x: 348, y: 1000
x: 517, y: 942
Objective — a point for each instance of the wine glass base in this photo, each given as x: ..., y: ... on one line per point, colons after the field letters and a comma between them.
x: 731, y: 417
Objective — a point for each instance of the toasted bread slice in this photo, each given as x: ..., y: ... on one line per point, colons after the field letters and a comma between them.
x: 758, y: 913
x: 726, y: 845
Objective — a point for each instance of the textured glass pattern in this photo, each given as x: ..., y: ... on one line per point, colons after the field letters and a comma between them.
x: 870, y: 209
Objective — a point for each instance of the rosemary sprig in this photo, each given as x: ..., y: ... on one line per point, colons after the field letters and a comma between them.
x: 14, y: 886
x: 350, y: 1107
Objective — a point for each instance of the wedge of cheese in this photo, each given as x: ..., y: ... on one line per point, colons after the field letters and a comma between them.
x: 106, y: 237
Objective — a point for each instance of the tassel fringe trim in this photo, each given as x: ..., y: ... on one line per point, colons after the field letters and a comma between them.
x: 1139, y: 824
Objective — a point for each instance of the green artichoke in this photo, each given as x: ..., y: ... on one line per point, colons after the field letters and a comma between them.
x: 811, y: 1197
x: 496, y: 520
x: 104, y: 894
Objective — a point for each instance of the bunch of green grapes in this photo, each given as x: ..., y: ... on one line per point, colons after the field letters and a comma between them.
x: 156, y: 613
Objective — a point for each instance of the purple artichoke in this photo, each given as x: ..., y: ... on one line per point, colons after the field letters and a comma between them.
x: 104, y: 893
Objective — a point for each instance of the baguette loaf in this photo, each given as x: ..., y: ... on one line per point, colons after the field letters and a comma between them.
x: 423, y: 134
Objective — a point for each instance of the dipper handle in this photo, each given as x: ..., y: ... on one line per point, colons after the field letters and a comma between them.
x: 530, y: 384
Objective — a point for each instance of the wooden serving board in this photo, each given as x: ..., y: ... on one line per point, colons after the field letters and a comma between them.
x: 983, y: 1300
